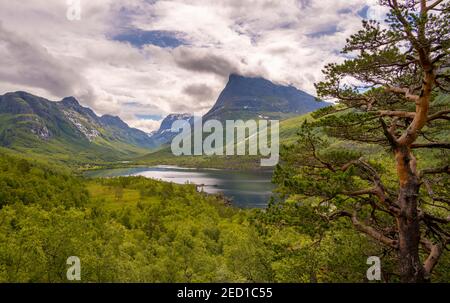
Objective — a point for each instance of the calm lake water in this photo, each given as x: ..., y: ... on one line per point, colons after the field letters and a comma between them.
x: 246, y: 189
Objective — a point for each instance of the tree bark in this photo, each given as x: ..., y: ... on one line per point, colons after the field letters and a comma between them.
x: 411, y: 269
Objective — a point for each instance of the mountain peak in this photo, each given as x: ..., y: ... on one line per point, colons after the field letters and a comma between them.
x: 66, y: 123
x: 234, y: 76
x: 21, y: 94
x: 184, y: 116
x: 114, y: 121
x: 168, y: 121
x: 252, y: 97
x: 239, y: 77
x: 70, y: 101
x: 164, y: 133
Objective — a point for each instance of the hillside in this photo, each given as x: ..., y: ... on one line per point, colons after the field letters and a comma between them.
x: 140, y: 230
x: 133, y: 229
x: 242, y: 98
x: 66, y: 131
x: 288, y: 133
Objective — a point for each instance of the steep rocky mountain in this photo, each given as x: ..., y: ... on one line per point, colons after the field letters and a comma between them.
x: 164, y: 134
x: 245, y: 98
x: 31, y: 123
x: 248, y: 98
x: 253, y: 98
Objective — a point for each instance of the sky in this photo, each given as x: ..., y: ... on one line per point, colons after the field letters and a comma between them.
x: 144, y: 59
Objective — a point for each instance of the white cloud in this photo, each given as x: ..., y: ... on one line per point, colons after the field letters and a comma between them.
x: 145, y: 125
x: 286, y: 41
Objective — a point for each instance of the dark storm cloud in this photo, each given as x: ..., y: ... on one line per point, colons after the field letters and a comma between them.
x: 204, y: 62
x: 304, y: 3
x: 200, y: 92
x: 327, y: 31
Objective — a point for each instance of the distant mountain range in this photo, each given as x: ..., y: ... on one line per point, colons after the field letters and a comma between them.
x: 164, y: 134
x: 68, y: 131
x: 248, y: 98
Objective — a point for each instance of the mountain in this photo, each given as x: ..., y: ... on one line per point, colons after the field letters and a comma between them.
x: 120, y: 131
x: 253, y: 98
x: 65, y: 129
x: 288, y: 134
x: 164, y: 134
x: 245, y: 98
x: 248, y: 98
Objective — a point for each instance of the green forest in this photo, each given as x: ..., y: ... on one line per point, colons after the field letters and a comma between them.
x: 133, y: 229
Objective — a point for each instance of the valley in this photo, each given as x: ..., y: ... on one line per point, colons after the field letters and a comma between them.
x: 225, y: 142
x: 130, y: 218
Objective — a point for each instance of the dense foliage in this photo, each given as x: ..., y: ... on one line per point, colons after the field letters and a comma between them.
x: 124, y: 229
x: 135, y: 229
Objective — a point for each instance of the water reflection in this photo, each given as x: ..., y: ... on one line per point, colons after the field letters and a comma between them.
x: 246, y: 189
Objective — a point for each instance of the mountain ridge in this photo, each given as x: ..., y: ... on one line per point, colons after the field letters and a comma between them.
x: 164, y: 134
x: 32, y: 122
x: 256, y: 97
x: 65, y: 127
x: 245, y: 98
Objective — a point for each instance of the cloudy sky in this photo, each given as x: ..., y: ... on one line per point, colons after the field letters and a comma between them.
x: 144, y: 59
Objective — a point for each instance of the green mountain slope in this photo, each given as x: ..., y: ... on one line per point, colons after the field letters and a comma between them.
x: 66, y: 131
x: 288, y: 135
x: 288, y: 132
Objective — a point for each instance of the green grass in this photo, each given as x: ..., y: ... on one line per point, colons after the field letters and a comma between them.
x: 115, y: 198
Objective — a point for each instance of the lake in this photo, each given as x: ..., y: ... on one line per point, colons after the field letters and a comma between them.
x: 249, y: 189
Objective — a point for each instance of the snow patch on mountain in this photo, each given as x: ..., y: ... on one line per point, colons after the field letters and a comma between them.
x: 80, y: 123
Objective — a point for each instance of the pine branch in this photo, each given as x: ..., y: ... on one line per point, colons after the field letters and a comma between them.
x: 401, y: 114
x: 435, y: 252
x: 372, y: 232
x: 404, y: 91
x: 433, y: 171
x: 389, y: 135
x: 431, y: 145
x: 432, y: 6
x: 440, y: 115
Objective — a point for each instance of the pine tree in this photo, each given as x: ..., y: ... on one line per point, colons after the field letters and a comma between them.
x: 390, y: 94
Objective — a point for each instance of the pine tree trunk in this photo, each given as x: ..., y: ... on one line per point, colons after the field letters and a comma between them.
x: 411, y: 269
